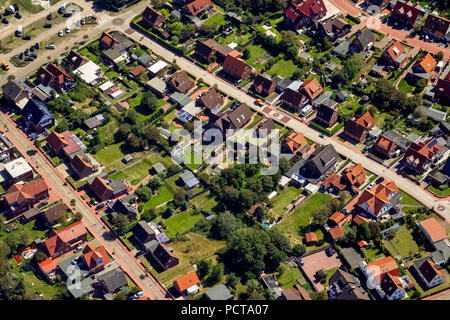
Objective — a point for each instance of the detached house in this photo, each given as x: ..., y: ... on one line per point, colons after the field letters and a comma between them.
x: 95, y: 259
x: 180, y: 81
x: 108, y: 41
x: 320, y: 162
x: 358, y: 128
x: 395, y: 55
x: 264, y: 85
x: 334, y: 27
x: 36, y: 115
x: 197, y: 7
x: 311, y: 89
x: 212, y: 102
x: 208, y: 49
x: 420, y: 155
x: 64, y: 240
x: 326, y: 116
x: 406, y: 14
x: 388, y: 142
x: 428, y: 272
x: 422, y: 69
x: 296, y: 144
x: 55, y: 77
x: 392, y: 287
x: 351, y: 178
x: 345, y: 286
x: 442, y: 88
x: 81, y: 164
x: 303, y: 14
x: 21, y: 197
x: 187, y: 284
x: 236, y: 67
x: 232, y: 119
x: 293, y: 99
x: 15, y: 92
x: 379, y: 199
x: 151, y: 17
x: 143, y: 233
x: 63, y: 144
x: 437, y: 236
x: 163, y: 255
x: 105, y: 189
x: 363, y: 41
x: 437, y: 27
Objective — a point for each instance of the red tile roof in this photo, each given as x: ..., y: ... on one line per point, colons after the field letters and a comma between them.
x: 406, y: 12
x: 63, y: 140
x: 199, y: 6
x: 334, y: 180
x: 19, y: 192
x: 422, y: 152
x: 434, y: 229
x: 296, y: 142
x: 311, y: 88
x: 390, y: 284
x: 427, y: 63
x: 108, y: 40
x: 137, y: 70
x: 336, y: 232
x: 62, y: 237
x: 395, y: 50
x: 48, y: 265
x: 236, y: 67
x: 382, y: 266
x: 311, y: 237
x: 100, y: 188
x: 355, y: 174
x: 337, y: 217
x: 95, y: 257
x: 377, y: 196
x: 437, y: 25
x: 360, y: 219
x: 187, y: 281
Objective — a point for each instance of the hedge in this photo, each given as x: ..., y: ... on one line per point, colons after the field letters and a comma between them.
x: 354, y: 19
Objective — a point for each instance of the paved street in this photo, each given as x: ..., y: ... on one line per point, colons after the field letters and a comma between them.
x: 414, y: 190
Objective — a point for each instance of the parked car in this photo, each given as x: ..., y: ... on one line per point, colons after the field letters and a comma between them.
x: 100, y: 206
x: 60, y: 33
x: 21, y: 56
x: 36, y: 45
x: 50, y: 46
x: 32, y: 49
x: 50, y: 16
x: 67, y: 14
x: 77, y: 249
x: 29, y: 59
x: 34, y: 55
x: 82, y: 21
x: 43, y: 204
x: 26, y: 52
x: 5, y: 21
x: 18, y: 15
x: 329, y: 252
x: 300, y: 262
x: 379, y: 180
x: 26, y: 38
x: 138, y: 295
x: 371, y: 185
x: 68, y: 30
x: 48, y: 25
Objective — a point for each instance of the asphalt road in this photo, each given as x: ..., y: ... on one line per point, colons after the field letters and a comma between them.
x: 414, y: 190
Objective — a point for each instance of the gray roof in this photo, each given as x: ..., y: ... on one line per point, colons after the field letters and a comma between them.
x: 322, y: 98
x: 324, y: 157
x: 331, y: 66
x: 342, y: 95
x: 436, y: 115
x: 159, y: 167
x: 219, y: 292
x: 400, y: 141
x: 189, y: 179
x: 118, y: 185
x: 365, y: 38
x: 79, y: 288
x: 145, y: 59
x: 113, y: 280
x: 157, y: 84
x: 444, y: 247
x: 342, y: 48
x: 180, y: 98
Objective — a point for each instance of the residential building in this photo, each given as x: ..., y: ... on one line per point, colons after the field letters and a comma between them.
x: 236, y: 67
x: 392, y: 287
x: 219, y: 292
x: 326, y: 116
x: 117, y: 51
x: 180, y: 81
x: 264, y: 85
x: 6, y: 149
x: 293, y: 99
x: 18, y: 170
x: 48, y: 268
x: 297, y: 292
x: 311, y: 238
x: 433, y: 230
x: 388, y: 142
x: 65, y: 143
x: 124, y: 207
x: 357, y: 129
x: 232, y: 119
x: 162, y: 254
x: 381, y: 4
x: 334, y: 27
x: 157, y: 68
x: 112, y: 280
x: 187, y: 178
x: 187, y: 284
x: 311, y: 88
x: 442, y: 88
x: 336, y: 219
x: 419, y: 156
x: 345, y: 286
x: 437, y: 27
x: 379, y: 199
x: 95, y: 259
x: 428, y: 272
x: 354, y: 175
x: 21, y: 197
x: 406, y: 15
x: 151, y: 17
x: 143, y: 233
x: 136, y: 71
x: 336, y: 233
x: 320, y: 162
x: 55, y: 77
x: 14, y: 92
x: 105, y: 189
x: 64, y: 240
x: 422, y: 69
x: 196, y: 7
x: 157, y: 86
x: 212, y: 101
x: 52, y: 215
x: 76, y: 60
x: 94, y: 122
x: 108, y: 41
x: 36, y: 115
x: 209, y: 49
x: 395, y: 55
x: 303, y: 14
x: 364, y: 40
x: 296, y: 144
x: 81, y: 165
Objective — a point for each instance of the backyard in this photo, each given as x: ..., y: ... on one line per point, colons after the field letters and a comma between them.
x: 284, y: 197
x: 283, y: 68
x: 179, y: 223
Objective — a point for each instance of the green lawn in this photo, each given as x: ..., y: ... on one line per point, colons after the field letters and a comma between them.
x: 204, y: 201
x: 191, y: 161
x: 283, y: 68
x: 217, y: 19
x: 289, y: 278
x: 233, y: 37
x: 407, y: 199
x: 372, y: 254
x: 110, y: 154
x: 444, y: 192
x: 404, y: 242
x: 302, y: 215
x: 284, y: 197
x: 328, y: 274
x: 164, y: 195
x: 256, y: 51
x: 179, y: 223
x: 405, y: 86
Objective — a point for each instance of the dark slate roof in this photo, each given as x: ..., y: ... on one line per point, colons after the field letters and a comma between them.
x: 324, y: 157
x: 324, y: 112
x: 36, y: 111
x: 219, y: 292
x: 13, y: 88
x: 295, y: 168
x: 142, y: 230
x: 400, y: 141
x: 113, y: 280
x: 366, y: 37
x: 122, y: 206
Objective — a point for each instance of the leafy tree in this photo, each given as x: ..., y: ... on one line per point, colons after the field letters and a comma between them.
x: 260, y: 214
x: 11, y: 288
x: 322, y: 295
x: 176, y: 28
x: 216, y: 275
x: 149, y: 214
x: 440, y: 56
x: 290, y: 43
x: 231, y: 280
x: 179, y: 197
x: 149, y: 102
x: 298, y: 250
x: 225, y: 225
x: 154, y: 183
x: 420, y: 85
x: 246, y: 199
x: 158, y: 4
x: 144, y: 193
x: 364, y: 230
x: 344, y: 196
x: 4, y: 249
x: 203, y: 268
x: 284, y: 165
x: 120, y: 221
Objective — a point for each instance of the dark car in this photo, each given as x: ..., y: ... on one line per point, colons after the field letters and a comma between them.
x: 26, y: 52
x: 36, y: 45
x: 29, y: 59
x: 47, y: 25
x: 26, y: 38
x: 43, y: 204
x: 329, y: 252
x: 5, y: 21
x: 61, y: 10
x: 100, y: 206
x: 379, y: 180
x: 34, y: 55
x: 32, y: 49
x: 21, y: 56
x: 67, y: 14
x: 50, y: 16
x: 18, y: 15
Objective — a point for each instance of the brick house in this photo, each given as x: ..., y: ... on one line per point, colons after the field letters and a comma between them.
x: 395, y: 55
x: 358, y: 128
x: 55, y: 77
x: 437, y: 27
x: 151, y: 17
x: 326, y: 116
x: 21, y: 197
x: 303, y: 14
x: 264, y: 85
x: 236, y: 67
x: 64, y: 240
x: 420, y: 155
x: 208, y: 49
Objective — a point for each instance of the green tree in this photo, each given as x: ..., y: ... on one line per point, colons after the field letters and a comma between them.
x: 216, y: 275
x: 120, y: 221
x: 260, y: 213
x: 176, y: 28
x: 144, y: 193
x: 231, y: 280
x: 363, y: 231
x: 179, y: 197
x: 203, y: 268
x: 298, y: 250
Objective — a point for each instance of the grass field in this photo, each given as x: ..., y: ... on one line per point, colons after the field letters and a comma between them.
x: 163, y: 196
x: 204, y: 201
x: 408, y: 200
x: 372, y: 254
x: 255, y: 51
x: 284, y: 198
x: 283, y: 68
x: 179, y: 223
x: 405, y: 86
x: 189, y: 252
x: 404, y: 242
x: 439, y: 192
x: 289, y: 278
x: 302, y: 216
x: 217, y: 19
